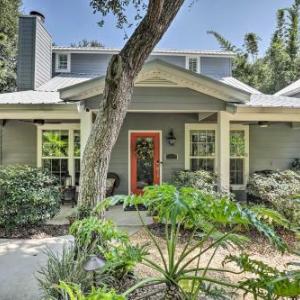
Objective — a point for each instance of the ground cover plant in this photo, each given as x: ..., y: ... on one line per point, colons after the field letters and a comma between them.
x: 28, y: 196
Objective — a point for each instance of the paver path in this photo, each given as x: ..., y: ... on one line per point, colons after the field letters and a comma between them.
x: 19, y: 261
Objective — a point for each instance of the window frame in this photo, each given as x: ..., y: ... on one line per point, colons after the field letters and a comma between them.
x: 210, y: 126
x: 71, y: 158
x: 59, y: 70
x: 187, y: 62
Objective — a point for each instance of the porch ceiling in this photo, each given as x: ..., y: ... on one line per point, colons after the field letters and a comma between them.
x: 158, y: 73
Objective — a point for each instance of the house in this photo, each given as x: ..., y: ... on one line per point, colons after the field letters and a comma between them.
x: 187, y: 112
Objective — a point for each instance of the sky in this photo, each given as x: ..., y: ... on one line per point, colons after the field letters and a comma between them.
x: 70, y: 21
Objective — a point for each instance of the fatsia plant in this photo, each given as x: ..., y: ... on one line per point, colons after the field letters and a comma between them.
x: 268, y: 283
x: 207, y: 214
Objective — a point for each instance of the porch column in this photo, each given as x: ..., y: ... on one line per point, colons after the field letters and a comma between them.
x: 86, y: 123
x: 223, y: 158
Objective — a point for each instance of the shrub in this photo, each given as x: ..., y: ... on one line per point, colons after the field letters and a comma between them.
x: 28, y: 196
x: 280, y: 189
x: 202, y: 180
x: 66, y: 266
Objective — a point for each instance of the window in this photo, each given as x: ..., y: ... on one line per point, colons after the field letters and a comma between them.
x: 201, y: 148
x: 237, y: 156
x: 63, y: 62
x: 193, y: 63
x: 59, y: 151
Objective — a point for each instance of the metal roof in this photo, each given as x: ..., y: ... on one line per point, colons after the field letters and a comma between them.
x: 64, y: 80
x: 30, y: 97
x: 290, y: 90
x: 240, y: 85
x: 271, y: 101
x: 104, y: 50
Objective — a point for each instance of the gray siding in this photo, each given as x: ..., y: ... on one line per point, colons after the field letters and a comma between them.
x: 140, y: 121
x: 216, y: 66
x: 97, y: 63
x: 273, y: 147
x: 168, y: 99
x: 89, y: 63
x: 34, y: 54
x: 43, y: 55
x: 25, y: 65
x: 19, y: 143
x: 174, y: 60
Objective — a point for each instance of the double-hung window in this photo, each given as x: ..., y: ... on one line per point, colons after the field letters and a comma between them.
x: 63, y: 63
x: 59, y: 151
x: 239, y: 160
x: 201, y: 150
x: 200, y: 147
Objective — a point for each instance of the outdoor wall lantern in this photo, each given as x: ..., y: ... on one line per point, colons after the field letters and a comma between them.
x: 171, y: 138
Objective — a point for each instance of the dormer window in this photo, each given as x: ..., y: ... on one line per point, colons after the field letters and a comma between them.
x: 63, y: 63
x: 193, y: 63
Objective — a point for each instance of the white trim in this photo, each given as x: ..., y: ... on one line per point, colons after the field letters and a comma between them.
x: 198, y: 126
x: 57, y: 69
x: 245, y: 128
x: 70, y: 127
x: 129, y: 155
x: 209, y: 126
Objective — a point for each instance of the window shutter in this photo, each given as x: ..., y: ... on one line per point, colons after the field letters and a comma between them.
x: 193, y: 64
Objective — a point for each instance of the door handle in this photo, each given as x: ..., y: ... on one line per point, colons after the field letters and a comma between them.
x: 159, y: 162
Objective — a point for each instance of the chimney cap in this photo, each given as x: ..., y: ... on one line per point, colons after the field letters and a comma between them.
x: 38, y: 14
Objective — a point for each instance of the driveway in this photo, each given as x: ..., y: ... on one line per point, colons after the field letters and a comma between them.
x: 19, y: 261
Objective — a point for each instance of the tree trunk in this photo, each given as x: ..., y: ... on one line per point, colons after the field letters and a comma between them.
x: 121, y: 73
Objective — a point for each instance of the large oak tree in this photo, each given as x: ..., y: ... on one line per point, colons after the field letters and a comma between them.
x: 119, y: 83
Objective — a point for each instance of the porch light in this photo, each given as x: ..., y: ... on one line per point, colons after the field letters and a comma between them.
x: 263, y: 124
x: 171, y: 138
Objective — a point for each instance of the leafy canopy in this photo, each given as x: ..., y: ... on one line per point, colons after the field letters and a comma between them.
x: 280, y: 65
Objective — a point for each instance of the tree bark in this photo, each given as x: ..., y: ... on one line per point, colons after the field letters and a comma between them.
x: 121, y: 73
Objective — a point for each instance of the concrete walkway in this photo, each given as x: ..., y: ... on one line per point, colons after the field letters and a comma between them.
x: 20, y: 259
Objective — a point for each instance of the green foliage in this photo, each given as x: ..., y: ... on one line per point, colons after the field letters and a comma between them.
x: 86, y: 43
x: 280, y: 189
x: 9, y: 13
x: 268, y: 283
x: 207, y: 214
x: 101, y: 237
x: 74, y: 292
x: 201, y: 179
x: 92, y: 232
x: 66, y: 266
x: 280, y: 65
x: 27, y: 196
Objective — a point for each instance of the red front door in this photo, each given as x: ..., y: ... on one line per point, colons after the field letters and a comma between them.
x: 145, y: 160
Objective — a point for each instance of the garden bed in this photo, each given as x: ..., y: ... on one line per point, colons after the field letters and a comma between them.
x: 35, y: 232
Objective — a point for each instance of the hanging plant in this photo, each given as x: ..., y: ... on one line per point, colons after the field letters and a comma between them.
x: 144, y: 148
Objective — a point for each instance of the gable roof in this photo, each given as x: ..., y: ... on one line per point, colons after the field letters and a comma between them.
x: 160, y: 73
x: 290, y: 90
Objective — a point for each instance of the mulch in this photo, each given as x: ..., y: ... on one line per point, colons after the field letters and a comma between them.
x: 35, y: 232
x: 261, y: 244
